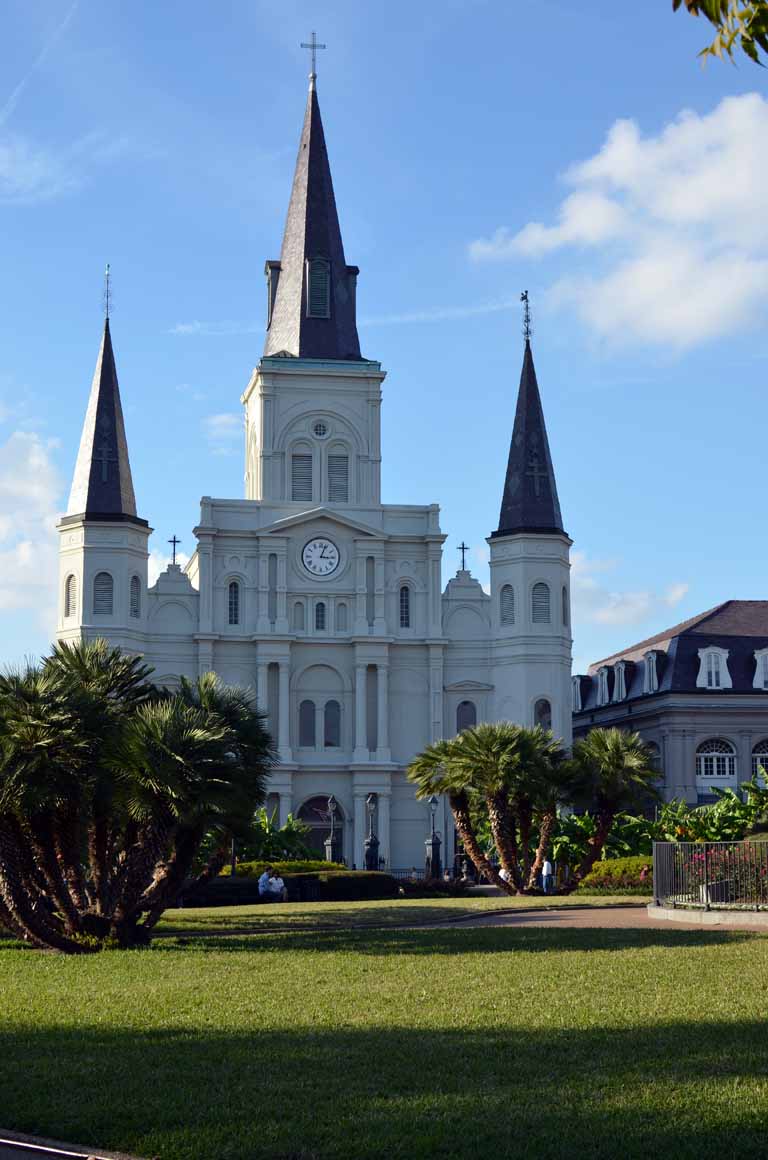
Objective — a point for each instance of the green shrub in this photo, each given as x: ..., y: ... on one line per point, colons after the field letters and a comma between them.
x: 434, y: 888
x: 323, y: 886
x: 620, y: 876
x: 256, y: 869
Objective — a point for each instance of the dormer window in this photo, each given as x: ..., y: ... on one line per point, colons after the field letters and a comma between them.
x: 713, y: 669
x: 318, y: 288
x: 620, y: 681
x: 602, y: 686
x: 650, y: 673
x: 576, y: 694
x: 760, y: 679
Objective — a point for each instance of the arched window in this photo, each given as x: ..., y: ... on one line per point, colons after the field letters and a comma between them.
x: 650, y: 673
x: 466, y: 716
x: 135, y: 597
x: 301, y: 475
x: 318, y: 288
x: 566, y: 612
x: 620, y: 681
x: 341, y: 617
x: 713, y: 668
x: 715, y: 762
x: 320, y: 616
x: 540, y: 603
x: 760, y: 680
x: 542, y: 713
x: 234, y: 602
x: 338, y: 478
x: 332, y: 724
x: 405, y: 606
x: 760, y: 761
x: 103, y: 594
x: 576, y: 694
x: 603, y: 695
x: 298, y: 616
x: 507, y: 604
x: 70, y: 596
x: 307, y: 725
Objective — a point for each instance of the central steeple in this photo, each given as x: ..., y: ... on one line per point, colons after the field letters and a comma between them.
x: 311, y: 290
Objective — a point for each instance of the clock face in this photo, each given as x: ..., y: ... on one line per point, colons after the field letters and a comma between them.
x: 320, y: 557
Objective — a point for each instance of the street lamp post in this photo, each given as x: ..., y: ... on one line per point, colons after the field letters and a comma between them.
x: 433, y: 866
x: 371, y: 842
x: 330, y: 841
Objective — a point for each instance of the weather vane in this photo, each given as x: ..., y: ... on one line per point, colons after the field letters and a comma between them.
x: 107, y: 292
x: 527, y: 328
x: 313, y: 44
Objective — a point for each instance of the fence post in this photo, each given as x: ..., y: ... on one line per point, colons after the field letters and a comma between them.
x: 656, y: 861
x: 706, y: 875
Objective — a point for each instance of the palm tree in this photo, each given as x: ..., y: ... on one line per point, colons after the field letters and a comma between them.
x: 614, y: 771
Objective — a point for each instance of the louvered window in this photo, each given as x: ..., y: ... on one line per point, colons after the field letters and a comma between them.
x: 103, y: 594
x: 405, y: 606
x: 566, y: 616
x: 318, y: 288
x: 507, y: 604
x: 70, y: 596
x: 338, y: 478
x: 135, y: 597
x: 234, y: 602
x: 540, y: 604
x: 320, y: 616
x: 301, y: 476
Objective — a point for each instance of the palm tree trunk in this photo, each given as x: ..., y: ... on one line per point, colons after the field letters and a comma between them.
x: 41, y: 830
x: 546, y: 830
x: 525, y: 816
x: 168, y: 885
x: 27, y: 906
x: 98, y: 840
x: 504, y: 832
x: 461, y: 815
x: 67, y: 834
x: 595, y: 846
x: 138, y: 873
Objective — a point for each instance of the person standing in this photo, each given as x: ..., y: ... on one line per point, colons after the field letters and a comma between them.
x: 547, y: 877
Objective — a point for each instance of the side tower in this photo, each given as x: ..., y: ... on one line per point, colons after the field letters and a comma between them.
x: 103, y: 551
x: 530, y: 577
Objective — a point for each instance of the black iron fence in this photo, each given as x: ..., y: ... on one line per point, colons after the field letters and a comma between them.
x: 711, y: 875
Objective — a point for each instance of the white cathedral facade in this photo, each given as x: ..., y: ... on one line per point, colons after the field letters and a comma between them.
x: 310, y: 590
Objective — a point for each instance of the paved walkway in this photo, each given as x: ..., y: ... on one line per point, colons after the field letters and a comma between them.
x: 602, y: 918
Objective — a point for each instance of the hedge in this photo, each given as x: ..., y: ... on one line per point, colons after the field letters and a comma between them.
x: 256, y: 869
x: 323, y: 886
x: 620, y: 876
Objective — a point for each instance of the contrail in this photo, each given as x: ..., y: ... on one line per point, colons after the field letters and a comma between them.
x: 7, y: 110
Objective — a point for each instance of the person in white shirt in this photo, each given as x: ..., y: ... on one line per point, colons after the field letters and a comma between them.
x: 547, y: 877
x: 271, y: 888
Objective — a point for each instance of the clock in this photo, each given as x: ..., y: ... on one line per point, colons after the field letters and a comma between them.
x: 320, y: 557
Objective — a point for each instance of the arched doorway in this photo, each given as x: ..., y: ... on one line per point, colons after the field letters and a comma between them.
x: 315, y: 814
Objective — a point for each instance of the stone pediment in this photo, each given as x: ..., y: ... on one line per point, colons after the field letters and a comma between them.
x: 468, y: 687
x: 279, y: 527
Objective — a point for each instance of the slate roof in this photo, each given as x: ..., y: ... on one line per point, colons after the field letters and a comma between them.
x: 529, y: 502
x: 311, y: 231
x: 102, y: 487
x: 740, y: 626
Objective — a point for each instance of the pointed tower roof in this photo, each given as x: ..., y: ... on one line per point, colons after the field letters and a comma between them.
x: 529, y: 502
x: 301, y: 326
x: 102, y: 488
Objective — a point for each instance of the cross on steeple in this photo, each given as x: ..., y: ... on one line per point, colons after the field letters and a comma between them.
x: 107, y: 292
x: 174, y: 544
x: 463, y: 548
x: 313, y: 44
x: 527, y: 328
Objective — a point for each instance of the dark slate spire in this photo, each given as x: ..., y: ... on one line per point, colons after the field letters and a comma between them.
x: 529, y: 503
x: 102, y: 488
x: 320, y: 324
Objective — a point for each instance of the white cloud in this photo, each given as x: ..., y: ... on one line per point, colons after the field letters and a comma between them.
x: 29, y: 488
x: 159, y: 561
x: 223, y: 432
x: 32, y: 172
x: 671, y: 229
x: 215, y: 329
x: 595, y: 602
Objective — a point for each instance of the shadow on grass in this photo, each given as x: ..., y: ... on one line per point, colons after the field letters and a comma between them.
x: 684, y: 1089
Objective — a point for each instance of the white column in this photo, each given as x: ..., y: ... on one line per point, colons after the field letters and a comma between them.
x: 360, y: 621
x: 262, y: 686
x: 283, y: 725
x: 285, y: 806
x: 383, y: 831
x: 382, y: 740
x: 358, y: 850
x: 380, y: 620
x: 361, y: 739
x: 436, y: 691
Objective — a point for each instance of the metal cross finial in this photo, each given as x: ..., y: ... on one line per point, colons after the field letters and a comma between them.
x: 527, y: 328
x: 463, y: 548
x: 313, y: 46
x: 107, y: 291
x: 174, y: 544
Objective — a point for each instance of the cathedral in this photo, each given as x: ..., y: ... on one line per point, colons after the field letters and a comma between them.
x: 312, y: 591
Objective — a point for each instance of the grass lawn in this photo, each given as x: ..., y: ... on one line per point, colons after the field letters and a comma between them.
x: 448, y: 1042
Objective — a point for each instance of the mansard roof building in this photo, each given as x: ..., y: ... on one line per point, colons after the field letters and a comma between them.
x: 310, y: 590
x: 698, y: 693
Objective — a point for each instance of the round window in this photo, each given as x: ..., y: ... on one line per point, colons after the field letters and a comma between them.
x: 320, y: 429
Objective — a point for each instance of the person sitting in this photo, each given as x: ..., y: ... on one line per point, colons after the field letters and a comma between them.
x: 271, y: 889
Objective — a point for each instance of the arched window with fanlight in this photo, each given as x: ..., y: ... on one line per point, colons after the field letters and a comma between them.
x: 320, y: 616
x: 507, y: 604
x: 405, y: 606
x: 135, y: 597
x: 103, y: 594
x: 542, y: 713
x: 307, y: 725
x: 234, y: 602
x: 540, y: 613
x: 70, y: 596
x: 715, y: 764
x: 760, y: 761
x: 298, y: 616
x: 466, y: 716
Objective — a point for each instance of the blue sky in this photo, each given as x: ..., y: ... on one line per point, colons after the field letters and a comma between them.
x: 478, y: 147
